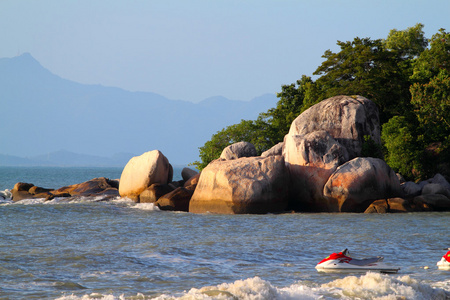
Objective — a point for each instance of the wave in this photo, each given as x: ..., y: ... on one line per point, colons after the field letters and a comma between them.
x: 5, y: 195
x: 77, y: 199
x: 368, y: 286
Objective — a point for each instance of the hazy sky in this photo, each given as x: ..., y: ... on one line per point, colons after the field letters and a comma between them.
x: 196, y: 49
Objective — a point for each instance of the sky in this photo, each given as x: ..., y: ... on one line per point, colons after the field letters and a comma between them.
x: 192, y: 50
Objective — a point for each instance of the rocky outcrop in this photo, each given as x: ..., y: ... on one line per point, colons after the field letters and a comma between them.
x: 238, y: 150
x: 241, y: 186
x: 23, y: 190
x: 102, y: 188
x: 346, y: 118
x: 359, y: 182
x: 91, y: 188
x: 143, y: 171
x: 311, y: 159
x: 429, y: 195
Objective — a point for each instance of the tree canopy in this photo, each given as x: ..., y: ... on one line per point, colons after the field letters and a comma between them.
x: 406, y: 75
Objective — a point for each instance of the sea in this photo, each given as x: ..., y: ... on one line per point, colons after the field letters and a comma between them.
x: 89, y: 249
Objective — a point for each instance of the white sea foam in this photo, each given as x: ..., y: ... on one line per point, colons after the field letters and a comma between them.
x: 146, y: 206
x: 5, y: 195
x: 368, y: 286
x: 379, y: 286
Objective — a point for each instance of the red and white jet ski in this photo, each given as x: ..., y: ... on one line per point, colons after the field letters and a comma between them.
x: 342, y: 262
x: 444, y: 263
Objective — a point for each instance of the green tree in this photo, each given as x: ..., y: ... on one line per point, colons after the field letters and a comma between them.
x: 432, y: 106
x: 244, y: 131
x: 403, y: 152
x: 294, y: 99
x: 269, y: 128
x: 408, y: 44
x: 364, y: 67
x: 434, y: 59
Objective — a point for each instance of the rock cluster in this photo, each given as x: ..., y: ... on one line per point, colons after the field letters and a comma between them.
x: 428, y: 195
x: 317, y: 168
x: 102, y: 188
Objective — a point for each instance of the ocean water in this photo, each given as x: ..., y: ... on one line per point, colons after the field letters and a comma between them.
x: 85, y: 249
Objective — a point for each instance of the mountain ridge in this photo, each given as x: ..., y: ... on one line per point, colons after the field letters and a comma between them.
x: 43, y: 112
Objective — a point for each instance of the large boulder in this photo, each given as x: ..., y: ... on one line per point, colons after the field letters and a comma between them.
x: 346, y: 118
x: 357, y: 183
x: 142, y: 171
x: 241, y: 186
x: 311, y: 159
x: 238, y: 150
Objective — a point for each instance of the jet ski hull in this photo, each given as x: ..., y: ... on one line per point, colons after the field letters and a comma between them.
x: 385, y: 270
x: 443, y: 264
x: 342, y: 263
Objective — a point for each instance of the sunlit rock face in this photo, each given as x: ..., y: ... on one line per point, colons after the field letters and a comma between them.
x: 321, y: 139
x: 238, y: 150
x: 347, y: 119
x: 357, y: 183
x: 311, y: 159
x: 242, y: 186
x: 143, y: 171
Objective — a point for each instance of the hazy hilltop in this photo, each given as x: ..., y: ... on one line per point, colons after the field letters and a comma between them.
x: 43, y: 113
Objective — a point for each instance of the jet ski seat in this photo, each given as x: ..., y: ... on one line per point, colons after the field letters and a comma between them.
x: 365, y: 261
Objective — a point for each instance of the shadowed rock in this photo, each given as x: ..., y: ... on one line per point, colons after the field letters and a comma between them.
x: 177, y: 200
x: 154, y: 192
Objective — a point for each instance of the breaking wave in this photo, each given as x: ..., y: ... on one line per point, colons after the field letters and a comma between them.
x: 368, y: 286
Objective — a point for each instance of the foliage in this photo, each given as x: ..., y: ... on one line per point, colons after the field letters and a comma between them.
x: 406, y: 75
x: 294, y: 99
x: 269, y: 128
x: 432, y: 106
x: 420, y: 147
x: 364, y: 67
x: 408, y: 44
x: 370, y: 148
x: 403, y: 152
x: 243, y: 131
x: 431, y: 61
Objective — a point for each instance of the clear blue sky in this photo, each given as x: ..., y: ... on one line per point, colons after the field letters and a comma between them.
x: 192, y: 50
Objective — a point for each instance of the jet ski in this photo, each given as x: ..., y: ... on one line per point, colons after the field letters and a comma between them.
x: 444, y: 263
x: 342, y: 262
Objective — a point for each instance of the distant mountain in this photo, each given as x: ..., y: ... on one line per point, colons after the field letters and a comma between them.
x: 42, y: 112
x: 64, y: 158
